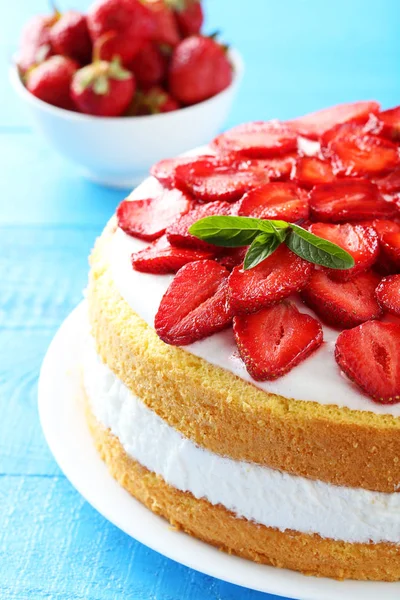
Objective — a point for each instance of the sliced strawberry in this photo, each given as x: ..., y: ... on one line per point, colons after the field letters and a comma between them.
x: 370, y: 356
x: 382, y: 226
x: 360, y: 154
x: 274, y: 340
x: 160, y: 257
x: 164, y: 170
x: 279, y: 200
x: 390, y: 123
x: 311, y: 170
x: 315, y: 124
x: 148, y: 218
x: 178, y: 233
x: 388, y: 294
x: 232, y: 257
x: 343, y: 304
x: 195, y: 304
x: 260, y: 139
x: 390, y: 246
x: 389, y: 183
x: 278, y: 168
x: 361, y: 242
x: 219, y: 178
x: 275, y: 278
x: 348, y: 200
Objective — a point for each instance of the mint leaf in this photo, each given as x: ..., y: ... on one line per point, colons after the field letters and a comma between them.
x: 262, y: 247
x: 317, y: 250
x: 232, y: 231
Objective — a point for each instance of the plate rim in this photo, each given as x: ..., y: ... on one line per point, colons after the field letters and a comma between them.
x: 61, y: 362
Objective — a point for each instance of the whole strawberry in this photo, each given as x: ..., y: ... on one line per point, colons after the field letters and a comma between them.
x: 166, y: 26
x: 51, y: 80
x: 189, y: 16
x: 103, y: 89
x: 35, y: 44
x: 69, y: 36
x: 199, y: 69
x: 130, y: 20
x: 149, y: 65
x: 153, y: 101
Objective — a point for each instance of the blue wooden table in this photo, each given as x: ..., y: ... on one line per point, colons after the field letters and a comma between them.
x: 300, y: 55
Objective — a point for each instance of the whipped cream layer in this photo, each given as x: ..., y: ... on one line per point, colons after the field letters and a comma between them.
x: 248, y: 490
x: 318, y: 378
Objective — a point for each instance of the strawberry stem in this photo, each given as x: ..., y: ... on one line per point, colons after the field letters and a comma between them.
x: 99, y: 43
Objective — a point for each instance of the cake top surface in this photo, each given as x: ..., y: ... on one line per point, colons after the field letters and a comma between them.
x: 282, y: 233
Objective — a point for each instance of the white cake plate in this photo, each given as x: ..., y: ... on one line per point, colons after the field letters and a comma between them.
x: 66, y: 432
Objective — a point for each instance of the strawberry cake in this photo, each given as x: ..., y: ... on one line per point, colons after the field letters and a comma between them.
x: 242, y: 377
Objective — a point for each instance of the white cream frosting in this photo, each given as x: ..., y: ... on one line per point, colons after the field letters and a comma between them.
x: 251, y: 491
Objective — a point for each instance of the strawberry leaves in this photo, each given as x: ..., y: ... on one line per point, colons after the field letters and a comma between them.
x: 265, y: 236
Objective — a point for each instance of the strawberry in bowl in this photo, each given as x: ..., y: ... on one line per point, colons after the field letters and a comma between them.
x: 99, y: 85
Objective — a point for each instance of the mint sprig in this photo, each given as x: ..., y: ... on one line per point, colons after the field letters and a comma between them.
x: 265, y: 236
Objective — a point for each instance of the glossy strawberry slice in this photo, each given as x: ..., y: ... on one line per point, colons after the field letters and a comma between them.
x: 389, y: 183
x: 178, y: 233
x: 382, y: 226
x: 348, y: 200
x: 390, y: 246
x: 275, y: 278
x: 361, y: 242
x: 219, y: 178
x: 388, y: 294
x: 278, y: 168
x: 311, y: 170
x: 279, y: 200
x: 259, y: 139
x: 232, y: 257
x: 274, y: 340
x: 370, y: 356
x: 195, y: 304
x: 315, y: 124
x: 164, y: 170
x: 160, y: 257
x: 361, y: 154
x: 343, y: 304
x: 389, y: 121
x: 148, y: 218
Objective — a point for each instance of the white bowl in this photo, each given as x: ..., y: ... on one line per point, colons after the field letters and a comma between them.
x: 118, y: 152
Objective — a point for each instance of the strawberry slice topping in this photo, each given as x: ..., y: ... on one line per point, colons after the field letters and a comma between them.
x: 195, y: 304
x: 278, y: 168
x: 315, y: 124
x: 389, y: 121
x: 389, y: 183
x: 232, y: 257
x: 219, y: 178
x: 390, y: 246
x: 310, y: 170
x: 279, y: 200
x: 382, y: 226
x: 160, y: 257
x: 370, y: 356
x: 164, y: 170
x: 349, y: 200
x: 274, y: 340
x: 275, y: 278
x: 343, y: 304
x: 361, y: 242
x: 148, y: 218
x: 388, y: 294
x: 260, y: 139
x: 178, y: 233
x: 355, y: 153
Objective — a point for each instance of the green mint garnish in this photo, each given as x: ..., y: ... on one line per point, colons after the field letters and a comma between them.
x: 265, y: 236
